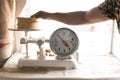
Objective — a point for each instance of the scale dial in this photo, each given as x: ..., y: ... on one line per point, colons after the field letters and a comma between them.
x: 64, y: 42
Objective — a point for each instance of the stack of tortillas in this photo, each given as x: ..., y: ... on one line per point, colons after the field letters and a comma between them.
x: 27, y: 23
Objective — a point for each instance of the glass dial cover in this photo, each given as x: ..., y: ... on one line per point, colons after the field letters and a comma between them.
x: 64, y: 42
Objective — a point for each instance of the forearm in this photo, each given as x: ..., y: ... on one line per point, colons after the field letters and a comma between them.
x: 71, y: 18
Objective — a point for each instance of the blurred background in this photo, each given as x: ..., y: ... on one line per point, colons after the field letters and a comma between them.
x: 95, y: 39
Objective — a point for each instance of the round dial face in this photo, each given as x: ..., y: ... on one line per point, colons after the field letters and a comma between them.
x: 64, y: 42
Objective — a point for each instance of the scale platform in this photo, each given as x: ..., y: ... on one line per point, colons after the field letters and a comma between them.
x: 48, y: 62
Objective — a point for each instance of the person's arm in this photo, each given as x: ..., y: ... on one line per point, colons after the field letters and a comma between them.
x: 74, y: 18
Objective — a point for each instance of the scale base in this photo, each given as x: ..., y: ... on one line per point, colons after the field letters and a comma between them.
x: 47, y: 63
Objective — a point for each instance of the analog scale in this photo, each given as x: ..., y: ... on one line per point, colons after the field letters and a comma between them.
x: 63, y: 43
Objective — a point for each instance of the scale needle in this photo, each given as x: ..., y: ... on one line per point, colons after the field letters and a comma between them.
x: 64, y: 42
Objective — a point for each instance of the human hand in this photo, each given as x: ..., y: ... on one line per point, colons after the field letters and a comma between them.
x: 41, y: 14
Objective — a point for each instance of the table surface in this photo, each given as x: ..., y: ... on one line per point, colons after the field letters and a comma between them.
x: 93, y: 67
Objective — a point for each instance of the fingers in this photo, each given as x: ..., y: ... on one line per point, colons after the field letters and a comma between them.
x: 36, y: 15
x: 41, y: 14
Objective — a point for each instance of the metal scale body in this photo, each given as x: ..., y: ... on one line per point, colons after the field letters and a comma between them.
x: 63, y: 42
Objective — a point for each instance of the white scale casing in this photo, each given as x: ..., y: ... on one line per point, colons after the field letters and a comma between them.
x: 67, y: 43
